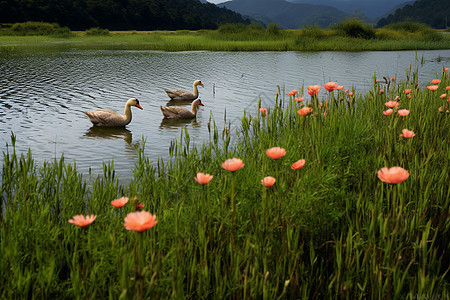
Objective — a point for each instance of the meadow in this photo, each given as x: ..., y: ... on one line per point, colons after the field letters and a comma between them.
x: 351, y: 35
x: 307, y: 209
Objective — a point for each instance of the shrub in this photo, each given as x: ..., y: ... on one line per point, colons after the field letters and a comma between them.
x: 97, y: 31
x: 36, y: 28
x: 273, y: 29
x: 312, y: 32
x: 356, y: 29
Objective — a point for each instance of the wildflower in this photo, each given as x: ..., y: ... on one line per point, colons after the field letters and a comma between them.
x: 203, y: 178
x: 388, y: 112
x: 233, y: 164
x: 305, y: 111
x: 276, y: 152
x: 139, y: 206
x: 392, y: 104
x: 139, y: 221
x: 82, y: 221
x: 292, y: 93
x: 407, y: 91
x: 299, y: 99
x: 119, y: 202
x: 447, y: 88
x: 313, y: 89
x: 407, y: 134
x: 268, y: 181
x: 298, y: 164
x: 330, y: 86
x: 403, y: 112
x: 339, y: 87
x: 432, y: 87
x: 393, y: 175
x: 263, y: 111
x: 435, y: 81
x: 381, y: 92
x: 443, y: 96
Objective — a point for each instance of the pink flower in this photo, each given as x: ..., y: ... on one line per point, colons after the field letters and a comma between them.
x: 305, y: 111
x: 263, y: 111
x: 432, y: 87
x: 407, y: 91
x: 268, y: 181
x: 233, y: 164
x: 292, y: 93
x: 298, y: 164
x: 276, y: 152
x: 82, y: 221
x: 435, y: 81
x: 393, y: 175
x: 392, y: 104
x: 403, y: 112
x: 119, y: 202
x: 407, y: 134
x: 299, y: 99
x: 203, y: 178
x: 330, y: 86
x: 388, y: 112
x: 139, y: 221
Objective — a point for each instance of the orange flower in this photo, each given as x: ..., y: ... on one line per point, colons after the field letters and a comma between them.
x: 203, y: 178
x: 292, y: 93
x: 330, y: 86
x: 339, y: 87
x: 139, y: 206
x: 313, y: 89
x: 268, y: 181
x: 82, y: 221
x: 443, y: 96
x: 233, y: 164
x: 407, y: 134
x: 446, y: 69
x: 381, y: 92
x: 305, y: 111
x: 388, y: 112
x: 392, y: 104
x: 119, y: 202
x: 403, y: 112
x: 435, y: 81
x: 263, y: 111
x: 407, y: 91
x: 298, y: 164
x: 432, y: 87
x: 299, y: 99
x: 276, y: 152
x: 447, y: 88
x: 139, y: 221
x: 393, y: 175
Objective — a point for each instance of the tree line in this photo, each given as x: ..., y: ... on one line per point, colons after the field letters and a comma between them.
x: 120, y: 14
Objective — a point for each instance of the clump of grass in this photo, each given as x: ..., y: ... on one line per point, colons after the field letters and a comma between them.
x: 97, y: 31
x: 409, y: 30
x: 331, y: 229
x: 355, y: 28
x: 36, y: 28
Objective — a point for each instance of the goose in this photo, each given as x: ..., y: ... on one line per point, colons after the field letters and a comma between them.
x: 185, y: 95
x: 177, y: 112
x: 109, y: 118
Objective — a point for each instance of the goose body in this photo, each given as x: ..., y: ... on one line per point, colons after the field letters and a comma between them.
x: 109, y: 118
x: 177, y: 112
x: 185, y: 95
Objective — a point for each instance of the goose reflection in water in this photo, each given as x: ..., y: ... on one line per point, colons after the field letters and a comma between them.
x: 178, y: 123
x: 110, y: 133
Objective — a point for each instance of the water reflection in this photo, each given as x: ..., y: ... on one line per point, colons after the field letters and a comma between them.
x: 110, y: 133
x: 178, y: 123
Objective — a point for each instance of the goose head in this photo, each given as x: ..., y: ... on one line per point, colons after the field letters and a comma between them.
x: 134, y: 102
x: 198, y: 82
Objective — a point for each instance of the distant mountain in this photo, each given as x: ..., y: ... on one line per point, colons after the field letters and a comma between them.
x: 393, y: 10
x: 371, y: 9
x: 434, y: 13
x: 286, y: 14
x: 119, y: 14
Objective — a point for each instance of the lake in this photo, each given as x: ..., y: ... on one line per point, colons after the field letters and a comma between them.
x: 43, y: 95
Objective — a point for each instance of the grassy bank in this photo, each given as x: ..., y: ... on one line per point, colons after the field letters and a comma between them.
x: 239, y: 38
x: 331, y: 229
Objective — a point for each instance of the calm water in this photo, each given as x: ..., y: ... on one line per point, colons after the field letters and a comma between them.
x: 43, y: 95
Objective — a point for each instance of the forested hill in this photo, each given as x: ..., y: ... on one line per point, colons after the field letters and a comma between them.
x: 430, y: 12
x: 119, y: 14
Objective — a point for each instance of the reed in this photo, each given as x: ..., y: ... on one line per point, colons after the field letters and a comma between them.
x: 331, y: 229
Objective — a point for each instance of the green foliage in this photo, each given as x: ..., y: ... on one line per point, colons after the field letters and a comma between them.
x: 355, y: 28
x: 314, y: 32
x: 35, y: 28
x: 273, y: 29
x: 97, y: 31
x: 409, y: 30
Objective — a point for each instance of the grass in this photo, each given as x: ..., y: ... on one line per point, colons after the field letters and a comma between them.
x: 329, y: 230
x: 251, y: 38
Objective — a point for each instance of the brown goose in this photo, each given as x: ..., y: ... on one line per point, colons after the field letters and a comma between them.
x: 104, y: 117
x: 177, y: 112
x: 185, y: 95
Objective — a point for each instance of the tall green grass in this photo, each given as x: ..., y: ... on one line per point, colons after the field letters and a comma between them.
x: 329, y: 230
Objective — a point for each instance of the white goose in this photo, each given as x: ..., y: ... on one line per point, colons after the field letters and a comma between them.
x: 177, y: 112
x: 185, y: 95
x: 105, y: 117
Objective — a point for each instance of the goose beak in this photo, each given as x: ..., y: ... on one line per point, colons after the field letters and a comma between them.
x: 138, y: 106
